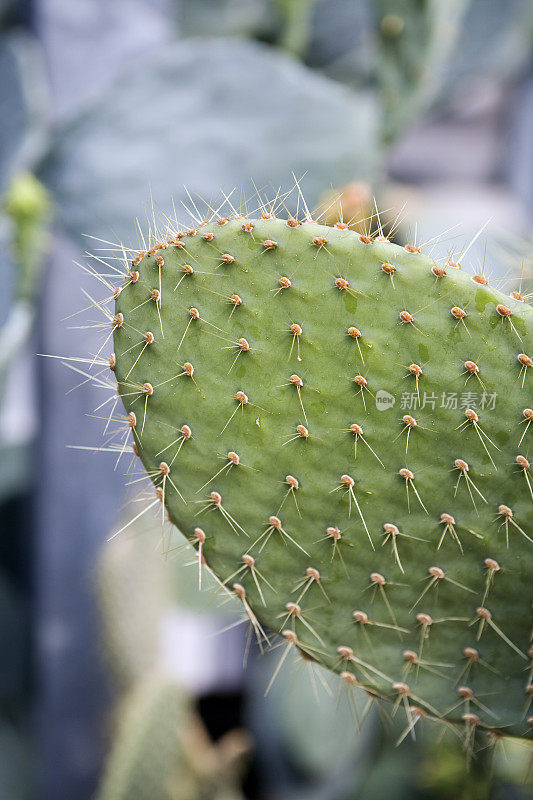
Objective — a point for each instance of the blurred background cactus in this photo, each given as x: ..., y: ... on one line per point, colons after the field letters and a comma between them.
x: 421, y: 104
x: 26, y: 217
x: 160, y: 747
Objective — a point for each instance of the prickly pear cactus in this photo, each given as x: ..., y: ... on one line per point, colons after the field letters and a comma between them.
x: 161, y: 750
x: 133, y: 595
x: 342, y: 428
x: 147, y: 758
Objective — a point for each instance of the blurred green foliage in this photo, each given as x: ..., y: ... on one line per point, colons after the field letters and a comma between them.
x: 159, y: 749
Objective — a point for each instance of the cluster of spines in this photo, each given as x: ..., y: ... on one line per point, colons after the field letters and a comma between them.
x: 293, y: 610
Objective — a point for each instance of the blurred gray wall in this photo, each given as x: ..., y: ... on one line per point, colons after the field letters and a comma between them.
x: 86, y: 44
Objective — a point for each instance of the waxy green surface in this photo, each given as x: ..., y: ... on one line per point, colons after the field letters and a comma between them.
x: 262, y: 432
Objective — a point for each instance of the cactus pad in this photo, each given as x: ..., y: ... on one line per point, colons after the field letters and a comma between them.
x: 342, y: 427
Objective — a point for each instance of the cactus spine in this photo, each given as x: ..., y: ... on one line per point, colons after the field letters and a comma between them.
x: 341, y: 427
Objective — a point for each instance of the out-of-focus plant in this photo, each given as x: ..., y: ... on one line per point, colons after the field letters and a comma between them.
x: 160, y: 749
x: 369, y: 71
x: 24, y: 210
x: 415, y: 40
x: 218, y: 131
x: 296, y: 24
x: 229, y: 109
x: 24, y: 222
x: 162, y: 752
x: 28, y: 204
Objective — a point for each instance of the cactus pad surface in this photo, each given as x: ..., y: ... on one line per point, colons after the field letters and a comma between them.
x: 341, y: 426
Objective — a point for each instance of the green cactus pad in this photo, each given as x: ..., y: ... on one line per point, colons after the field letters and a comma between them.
x: 148, y: 758
x: 354, y: 417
